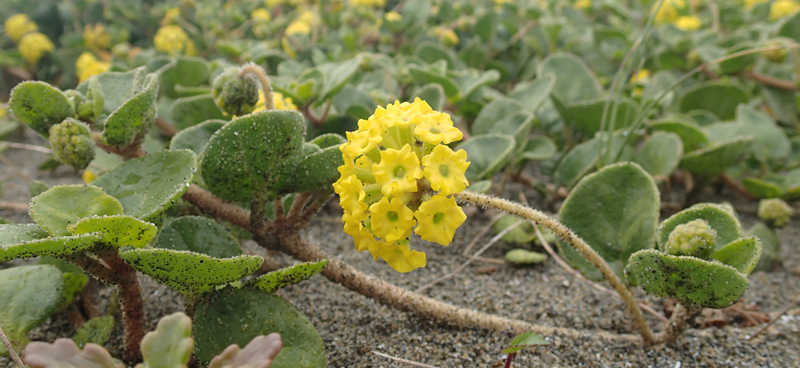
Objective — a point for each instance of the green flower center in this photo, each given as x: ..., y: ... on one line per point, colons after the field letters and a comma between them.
x: 444, y: 170
x: 392, y: 216
x: 438, y: 217
x: 399, y: 172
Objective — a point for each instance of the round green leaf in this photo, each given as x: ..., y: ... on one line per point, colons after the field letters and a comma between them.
x: 185, y: 71
x: 714, y: 160
x: 770, y: 246
x: 19, y: 233
x: 198, y: 234
x: 188, y: 272
x: 119, y: 230
x: 187, y: 112
x: 486, y: 154
x: 741, y: 254
x: 614, y: 210
x: 723, y: 222
x: 532, y: 94
x: 692, y: 281
x: 539, y: 148
x: 692, y: 136
x: 148, y: 185
x: 64, y: 205
x: 196, y: 137
x: 770, y: 140
x: 28, y: 295
x: 761, y: 188
x: 236, y: 316
x: 245, y: 155
x: 39, y: 106
x: 586, y: 115
x: 574, y: 80
x: 719, y: 98
x: 494, y: 112
x: 661, y: 154
x: 433, y: 94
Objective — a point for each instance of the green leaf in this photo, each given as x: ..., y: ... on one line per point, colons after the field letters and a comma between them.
x: 714, y: 160
x: 148, y: 185
x: 574, y: 80
x: 188, y: 272
x: 661, y: 154
x: 723, y: 222
x: 539, y: 148
x: 586, y: 115
x: 74, y: 278
x: 486, y: 27
x: 770, y: 141
x: 693, y: 137
x: 487, y: 154
x: 716, y: 97
x: 501, y: 116
x: 424, y: 75
x: 738, y: 64
x: 187, y: 112
x: 247, y: 154
x: 170, y: 345
x: 28, y: 295
x: 19, y: 233
x: 614, y: 210
x: 196, y: 138
x: 791, y: 28
x: 276, y: 280
x: 39, y: 106
x: 63, y: 205
x: 96, y: 331
x: 200, y: 235
x: 316, y: 169
x: 522, y: 234
x: 236, y: 316
x: 690, y: 280
x: 526, y: 340
x: 134, y: 116
x: 352, y: 102
x: 521, y: 257
x: 770, y: 247
x: 741, y: 254
x: 51, y: 246
x: 762, y: 188
x: 185, y: 71
x: 533, y: 93
x: 433, y: 94
x: 116, y: 87
x: 336, y: 76
x: 119, y: 230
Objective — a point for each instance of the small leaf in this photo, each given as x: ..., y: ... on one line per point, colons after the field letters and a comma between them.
x: 185, y: 71
x: 574, y: 80
x: 693, y: 137
x: 532, y: 94
x: 526, y: 340
x: 539, y: 148
x: 716, y: 97
x: 64, y: 205
x: 187, y: 112
x: 133, y: 117
x: 741, y: 254
x: 723, y: 222
x: 198, y: 234
x: 196, y: 138
x: 237, y: 316
x: 522, y: 234
x: 52, y: 246
x: 119, y: 230
x: 95, y: 331
x: 714, y: 160
x: 63, y: 353
x: 170, y: 345
x: 259, y: 353
x: 187, y: 272
x: 28, y: 295
x: 761, y: 188
x: 522, y: 257
x: 586, y: 115
x: 661, y: 154
x: 486, y: 154
x: 116, y: 87
x: 275, y: 280
x: 433, y: 94
x: 148, y: 185
x: 336, y: 76
x: 691, y: 280
x: 40, y: 106
x: 770, y: 247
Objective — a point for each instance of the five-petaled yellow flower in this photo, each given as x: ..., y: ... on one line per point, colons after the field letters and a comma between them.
x: 396, y: 163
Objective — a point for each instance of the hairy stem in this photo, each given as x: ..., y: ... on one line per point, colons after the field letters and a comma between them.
x: 258, y: 72
x: 130, y: 299
x: 677, y: 323
x: 217, y: 208
x: 573, y: 240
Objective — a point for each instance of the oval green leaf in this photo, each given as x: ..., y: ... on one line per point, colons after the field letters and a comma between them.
x: 198, y: 234
x: 486, y: 153
x: 119, y: 230
x: 39, y: 106
x: 64, y: 205
x: 741, y: 254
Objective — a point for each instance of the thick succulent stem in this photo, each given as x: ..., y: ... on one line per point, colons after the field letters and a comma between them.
x: 258, y: 72
x: 539, y: 218
x: 678, y: 322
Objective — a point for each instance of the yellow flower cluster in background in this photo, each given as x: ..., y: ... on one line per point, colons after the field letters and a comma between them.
x: 783, y: 8
x: 87, y: 66
x: 34, y: 45
x: 173, y: 40
x: 261, y: 15
x: 280, y: 102
x: 96, y: 37
x: 19, y: 25
x: 688, y: 23
x: 393, y: 16
x: 582, y: 4
x: 751, y: 3
x: 368, y: 3
x: 670, y: 11
x: 303, y: 23
x: 397, y: 177
x: 171, y: 16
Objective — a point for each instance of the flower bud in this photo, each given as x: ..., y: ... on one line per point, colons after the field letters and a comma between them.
x: 72, y: 143
x: 694, y: 238
x: 235, y: 94
x: 774, y: 212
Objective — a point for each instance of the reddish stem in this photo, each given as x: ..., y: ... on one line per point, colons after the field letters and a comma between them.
x: 509, y: 359
x: 130, y: 299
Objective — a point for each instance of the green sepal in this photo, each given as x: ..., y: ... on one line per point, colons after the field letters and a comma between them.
x: 279, y: 279
x: 119, y: 230
x: 692, y: 281
x: 188, y: 272
x: 39, y: 106
x: 742, y: 254
x: 63, y: 205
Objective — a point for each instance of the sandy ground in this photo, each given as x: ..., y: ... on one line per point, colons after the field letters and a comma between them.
x: 353, y: 326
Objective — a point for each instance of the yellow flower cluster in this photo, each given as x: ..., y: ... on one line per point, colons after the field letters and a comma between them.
x: 670, y: 11
x: 398, y: 173
x: 688, y: 23
x: 447, y: 36
x: 783, y: 8
x: 34, y: 45
x: 171, y: 16
x: 303, y: 23
x: 19, y: 25
x: 582, y: 4
x: 368, y: 3
x: 393, y: 16
x: 280, y: 102
x: 96, y: 37
x: 87, y: 66
x: 261, y: 15
x: 173, y: 40
x: 748, y: 4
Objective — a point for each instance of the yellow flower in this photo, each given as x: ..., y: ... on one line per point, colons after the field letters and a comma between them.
x: 445, y: 169
x: 688, y: 23
x: 669, y: 11
x: 400, y: 257
x: 261, y: 14
x: 171, y: 16
x: 438, y: 219
x: 448, y: 37
x: 96, y: 37
x: 398, y: 171
x: 582, y: 4
x: 751, y: 3
x: 368, y: 3
x: 33, y: 46
x: 3, y: 112
x: 393, y: 16
x: 273, y: 3
x: 87, y: 66
x: 391, y: 220
x: 437, y: 128
x: 351, y: 196
x: 280, y: 102
x: 297, y: 27
x: 19, y: 25
x: 173, y: 40
x: 641, y: 77
x: 782, y: 8
x: 88, y: 176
